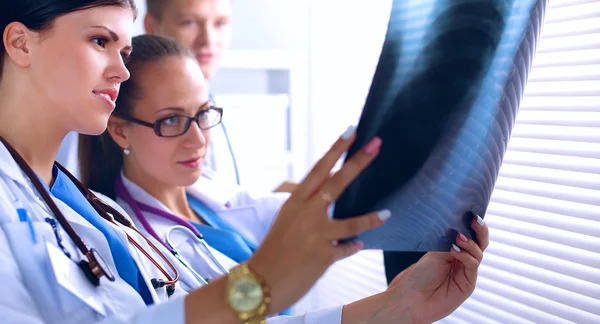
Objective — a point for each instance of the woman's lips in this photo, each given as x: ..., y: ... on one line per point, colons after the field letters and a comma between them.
x: 191, y: 163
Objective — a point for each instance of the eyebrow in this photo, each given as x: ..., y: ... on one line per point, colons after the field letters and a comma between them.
x: 113, y: 36
x: 179, y: 109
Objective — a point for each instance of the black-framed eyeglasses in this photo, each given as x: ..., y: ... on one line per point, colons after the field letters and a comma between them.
x: 177, y: 125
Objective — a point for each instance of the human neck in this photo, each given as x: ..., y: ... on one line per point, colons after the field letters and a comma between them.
x: 173, y: 197
x: 25, y: 125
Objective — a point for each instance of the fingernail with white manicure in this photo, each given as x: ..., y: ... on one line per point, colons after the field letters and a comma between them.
x: 384, y: 214
x: 480, y: 221
x: 349, y: 132
x: 456, y: 248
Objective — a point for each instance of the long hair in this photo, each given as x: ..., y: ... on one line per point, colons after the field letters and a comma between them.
x: 100, y: 158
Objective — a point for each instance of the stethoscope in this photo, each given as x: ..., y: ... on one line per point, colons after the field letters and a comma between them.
x: 235, y: 166
x: 182, y: 226
x: 94, y: 267
x: 198, y: 240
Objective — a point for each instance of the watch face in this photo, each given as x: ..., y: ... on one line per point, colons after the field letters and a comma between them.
x: 245, y: 295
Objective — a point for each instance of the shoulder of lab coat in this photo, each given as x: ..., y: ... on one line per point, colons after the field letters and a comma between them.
x: 231, y: 201
x: 28, y: 296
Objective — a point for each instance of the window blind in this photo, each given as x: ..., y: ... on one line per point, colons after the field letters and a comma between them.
x: 543, y: 262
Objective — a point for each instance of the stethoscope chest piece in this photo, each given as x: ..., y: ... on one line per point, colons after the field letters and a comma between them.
x: 95, y: 268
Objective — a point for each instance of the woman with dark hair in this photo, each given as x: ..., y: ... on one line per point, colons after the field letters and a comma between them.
x: 151, y: 160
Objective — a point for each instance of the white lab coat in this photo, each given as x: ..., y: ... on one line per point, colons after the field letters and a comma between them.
x: 250, y: 214
x: 39, y: 289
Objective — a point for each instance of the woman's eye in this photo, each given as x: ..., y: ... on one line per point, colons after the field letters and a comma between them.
x: 100, y: 41
x: 203, y: 114
x: 171, y: 121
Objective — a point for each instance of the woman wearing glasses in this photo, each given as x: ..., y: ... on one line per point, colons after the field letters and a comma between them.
x: 150, y: 160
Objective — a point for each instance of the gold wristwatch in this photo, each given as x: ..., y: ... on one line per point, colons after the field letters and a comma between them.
x: 248, y: 295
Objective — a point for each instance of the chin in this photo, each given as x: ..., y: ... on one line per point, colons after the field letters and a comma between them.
x: 93, y: 127
x: 188, y: 180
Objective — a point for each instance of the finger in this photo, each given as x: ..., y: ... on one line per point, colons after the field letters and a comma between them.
x: 481, y: 232
x: 340, y: 229
x: 320, y: 172
x: 343, y: 251
x: 469, y: 262
x: 336, y: 185
x: 469, y: 246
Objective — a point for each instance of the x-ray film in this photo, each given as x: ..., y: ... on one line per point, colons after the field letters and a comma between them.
x: 444, y: 99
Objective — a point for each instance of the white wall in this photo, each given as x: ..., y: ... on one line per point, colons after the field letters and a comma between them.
x: 345, y: 41
x: 138, y: 27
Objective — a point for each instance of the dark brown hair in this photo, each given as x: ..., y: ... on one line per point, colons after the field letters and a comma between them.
x: 100, y: 158
x: 38, y: 15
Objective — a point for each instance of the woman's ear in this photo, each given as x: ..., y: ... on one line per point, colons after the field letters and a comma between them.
x: 16, y: 40
x: 117, y: 128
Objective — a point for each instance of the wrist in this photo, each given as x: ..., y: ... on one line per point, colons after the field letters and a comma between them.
x: 385, y: 307
x: 262, y: 266
x: 247, y: 294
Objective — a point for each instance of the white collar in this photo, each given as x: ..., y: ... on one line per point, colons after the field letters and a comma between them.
x: 11, y: 168
x: 215, y: 195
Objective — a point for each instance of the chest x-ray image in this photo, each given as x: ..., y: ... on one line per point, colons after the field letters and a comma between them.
x: 444, y: 99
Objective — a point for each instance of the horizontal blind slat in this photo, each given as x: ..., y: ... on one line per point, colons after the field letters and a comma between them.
x: 557, y: 103
x: 563, y: 88
x: 547, y: 277
x: 551, y: 176
x: 538, y: 289
x: 552, y: 161
x: 518, y: 301
x: 543, y: 261
x: 573, y: 27
x: 574, y: 12
x: 555, y: 235
x: 555, y: 4
x: 559, y: 118
x: 566, y: 222
x: 483, y: 299
x: 539, y: 130
x: 571, y: 58
x: 569, y: 43
x: 548, y: 190
x: 545, y: 247
x: 557, y: 147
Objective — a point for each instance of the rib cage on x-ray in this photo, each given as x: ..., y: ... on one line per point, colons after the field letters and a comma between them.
x: 444, y: 99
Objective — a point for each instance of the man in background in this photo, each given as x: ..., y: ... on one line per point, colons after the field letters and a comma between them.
x: 204, y: 26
